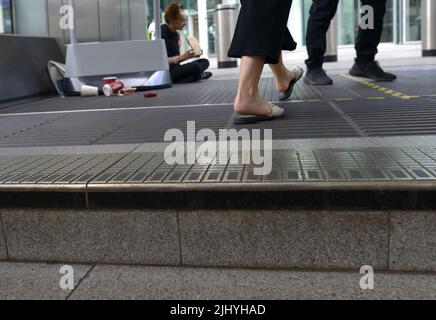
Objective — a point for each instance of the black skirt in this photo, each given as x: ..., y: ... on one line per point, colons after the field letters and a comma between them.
x: 262, y: 30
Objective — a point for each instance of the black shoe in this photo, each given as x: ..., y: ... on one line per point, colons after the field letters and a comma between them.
x: 318, y: 77
x: 285, y: 95
x: 371, y: 70
x: 206, y: 75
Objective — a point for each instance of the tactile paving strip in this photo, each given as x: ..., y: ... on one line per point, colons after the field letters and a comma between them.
x: 296, y: 166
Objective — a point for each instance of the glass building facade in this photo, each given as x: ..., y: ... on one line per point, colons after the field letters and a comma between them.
x: 402, y: 22
x: 192, y: 14
x: 5, y: 16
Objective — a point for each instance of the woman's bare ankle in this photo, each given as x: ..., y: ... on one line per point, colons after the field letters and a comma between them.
x: 283, y: 83
x: 251, y: 105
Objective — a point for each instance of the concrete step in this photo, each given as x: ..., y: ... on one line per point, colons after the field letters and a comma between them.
x: 325, y: 240
x: 81, y: 207
x: 42, y: 281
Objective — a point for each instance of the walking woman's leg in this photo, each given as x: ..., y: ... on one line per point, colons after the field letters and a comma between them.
x: 260, y: 36
x: 248, y: 100
x: 282, y: 75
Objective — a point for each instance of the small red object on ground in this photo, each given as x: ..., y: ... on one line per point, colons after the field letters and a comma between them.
x: 150, y: 95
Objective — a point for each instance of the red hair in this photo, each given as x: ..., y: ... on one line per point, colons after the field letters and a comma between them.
x: 172, y: 12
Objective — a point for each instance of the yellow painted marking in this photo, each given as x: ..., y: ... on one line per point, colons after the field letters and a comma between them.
x: 409, y: 97
x: 338, y: 99
x: 380, y: 88
x: 342, y: 99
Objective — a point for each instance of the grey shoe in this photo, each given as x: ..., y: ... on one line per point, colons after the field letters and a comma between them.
x: 317, y: 77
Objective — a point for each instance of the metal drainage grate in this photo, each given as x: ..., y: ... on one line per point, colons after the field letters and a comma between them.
x: 302, y: 166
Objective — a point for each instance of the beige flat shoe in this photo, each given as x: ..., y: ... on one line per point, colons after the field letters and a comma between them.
x: 276, y: 112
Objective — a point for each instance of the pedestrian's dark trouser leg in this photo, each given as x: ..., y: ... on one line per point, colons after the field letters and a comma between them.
x: 321, y: 14
x: 187, y: 73
x: 368, y: 40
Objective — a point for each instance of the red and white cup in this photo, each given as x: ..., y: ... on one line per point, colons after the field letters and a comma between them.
x: 112, y: 88
x: 109, y: 80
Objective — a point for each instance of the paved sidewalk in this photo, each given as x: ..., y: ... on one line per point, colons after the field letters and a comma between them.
x: 41, y: 281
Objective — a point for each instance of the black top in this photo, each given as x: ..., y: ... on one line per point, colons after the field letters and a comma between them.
x: 172, y: 41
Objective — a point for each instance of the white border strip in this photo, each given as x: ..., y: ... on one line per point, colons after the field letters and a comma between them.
x: 112, y: 109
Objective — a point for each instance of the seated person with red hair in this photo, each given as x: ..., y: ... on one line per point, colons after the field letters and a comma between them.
x: 181, y: 73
